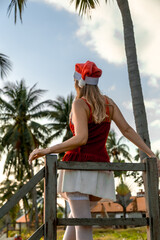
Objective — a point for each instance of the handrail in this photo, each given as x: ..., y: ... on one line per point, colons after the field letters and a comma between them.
x: 103, y: 221
x: 21, y: 192
x: 38, y: 233
x: 92, y: 166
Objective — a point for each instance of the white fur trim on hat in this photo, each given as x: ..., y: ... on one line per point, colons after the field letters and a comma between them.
x: 81, y: 83
x: 77, y: 76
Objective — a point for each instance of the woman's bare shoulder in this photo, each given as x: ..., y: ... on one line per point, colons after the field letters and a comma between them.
x: 110, y: 101
x: 79, y: 104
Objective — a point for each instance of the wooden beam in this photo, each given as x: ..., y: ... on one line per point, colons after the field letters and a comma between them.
x: 92, y: 166
x: 50, y: 198
x: 102, y: 221
x: 21, y: 193
x: 38, y: 234
x: 152, y: 198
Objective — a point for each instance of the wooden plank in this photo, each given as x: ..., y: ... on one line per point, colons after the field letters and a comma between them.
x: 102, y: 221
x: 92, y: 166
x: 50, y: 199
x: 38, y: 234
x: 21, y: 193
x: 152, y: 198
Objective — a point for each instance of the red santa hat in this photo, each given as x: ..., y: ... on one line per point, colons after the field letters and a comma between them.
x: 87, y: 73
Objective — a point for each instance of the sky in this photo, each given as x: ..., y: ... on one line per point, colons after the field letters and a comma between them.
x: 53, y: 38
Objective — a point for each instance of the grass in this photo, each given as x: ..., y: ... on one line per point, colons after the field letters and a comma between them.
x: 138, y: 233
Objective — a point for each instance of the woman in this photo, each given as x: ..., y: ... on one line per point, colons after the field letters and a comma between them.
x: 90, y: 120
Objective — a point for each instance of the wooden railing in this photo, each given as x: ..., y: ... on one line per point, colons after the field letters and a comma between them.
x: 49, y: 172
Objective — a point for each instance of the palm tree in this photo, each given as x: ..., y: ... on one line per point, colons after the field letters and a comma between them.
x: 21, y: 132
x: 138, y: 177
x: 116, y: 148
x: 123, y: 197
x: 84, y: 6
x: 117, y: 151
x: 5, y: 65
x: 17, y: 5
x: 60, y: 117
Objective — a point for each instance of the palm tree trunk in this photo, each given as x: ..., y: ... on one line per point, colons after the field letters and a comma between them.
x: 134, y: 75
x: 134, y: 79
x: 124, y: 215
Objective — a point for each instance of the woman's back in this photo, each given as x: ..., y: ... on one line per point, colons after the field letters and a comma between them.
x: 95, y: 148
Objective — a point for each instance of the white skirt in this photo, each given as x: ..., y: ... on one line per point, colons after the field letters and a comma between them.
x: 97, y: 183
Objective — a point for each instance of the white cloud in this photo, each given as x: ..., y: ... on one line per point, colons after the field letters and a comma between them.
x: 152, y: 105
x: 156, y: 145
x: 153, y: 82
x: 59, y: 4
x: 146, y: 18
x: 155, y: 123
x: 112, y: 88
x: 127, y: 105
x: 104, y: 33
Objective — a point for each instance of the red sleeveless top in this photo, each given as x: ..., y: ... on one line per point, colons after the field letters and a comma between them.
x: 95, y: 148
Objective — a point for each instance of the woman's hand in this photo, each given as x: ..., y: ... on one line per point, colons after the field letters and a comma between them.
x: 36, y: 153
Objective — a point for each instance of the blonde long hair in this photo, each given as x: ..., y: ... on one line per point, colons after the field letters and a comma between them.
x: 96, y: 100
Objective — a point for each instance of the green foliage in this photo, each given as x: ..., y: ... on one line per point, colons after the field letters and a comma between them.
x: 85, y: 6
x: 112, y: 234
x: 60, y: 117
x: 138, y: 175
x: 122, y: 189
x: 138, y: 233
x: 8, y: 188
x: 5, y: 65
x: 59, y: 214
x: 117, y: 151
x: 123, y: 196
x: 20, y: 132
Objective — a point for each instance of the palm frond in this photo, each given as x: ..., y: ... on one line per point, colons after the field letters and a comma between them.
x: 84, y: 6
x: 16, y: 4
x: 35, y: 126
x: 39, y: 106
x: 34, y: 96
x: 6, y: 105
x: 5, y: 65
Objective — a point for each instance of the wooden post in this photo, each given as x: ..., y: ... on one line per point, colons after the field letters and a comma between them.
x: 7, y: 229
x: 50, y: 198
x: 152, y: 199
x: 20, y: 228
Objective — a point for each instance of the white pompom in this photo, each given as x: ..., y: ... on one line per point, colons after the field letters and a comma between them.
x: 81, y: 83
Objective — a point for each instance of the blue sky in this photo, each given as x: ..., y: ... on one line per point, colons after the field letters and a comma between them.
x: 52, y: 38
x: 45, y: 48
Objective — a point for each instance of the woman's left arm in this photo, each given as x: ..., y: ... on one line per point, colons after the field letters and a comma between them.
x: 80, y: 121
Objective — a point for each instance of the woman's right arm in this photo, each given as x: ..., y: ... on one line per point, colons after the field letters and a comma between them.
x: 128, y: 131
